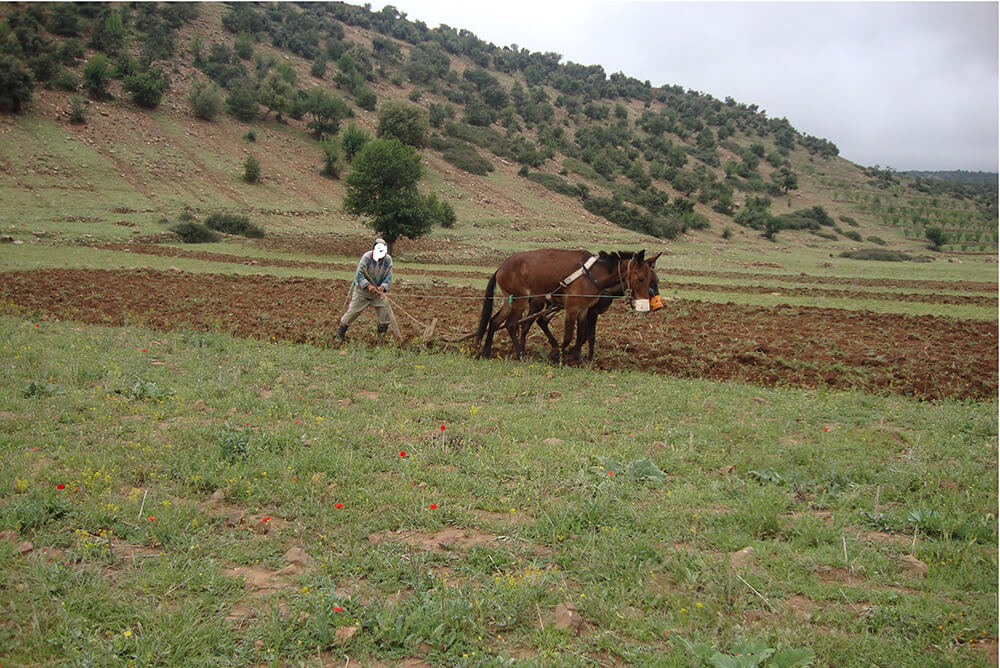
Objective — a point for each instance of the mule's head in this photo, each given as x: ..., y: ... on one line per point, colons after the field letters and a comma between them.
x: 641, y: 283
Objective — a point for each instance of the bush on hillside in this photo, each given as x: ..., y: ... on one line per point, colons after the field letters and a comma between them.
x: 880, y: 254
x: 555, y: 183
x: 251, y: 170
x: 462, y: 155
x: 16, y: 86
x: 230, y: 223
x: 194, y: 233
x: 147, y: 87
x: 206, y: 100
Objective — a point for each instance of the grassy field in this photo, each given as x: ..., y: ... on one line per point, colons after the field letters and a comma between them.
x: 188, y: 498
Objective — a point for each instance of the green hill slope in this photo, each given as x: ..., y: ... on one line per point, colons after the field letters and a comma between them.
x: 527, y: 149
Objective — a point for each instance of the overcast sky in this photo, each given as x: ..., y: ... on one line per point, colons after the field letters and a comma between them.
x: 907, y: 85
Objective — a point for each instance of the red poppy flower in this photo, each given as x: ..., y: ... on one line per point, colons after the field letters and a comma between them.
x: 434, y: 506
x: 337, y: 608
x: 151, y: 519
x: 338, y: 506
x: 442, y: 427
x: 611, y: 472
x: 60, y: 486
x: 266, y: 519
x: 402, y: 453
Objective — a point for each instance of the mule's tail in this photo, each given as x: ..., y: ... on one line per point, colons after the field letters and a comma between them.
x: 484, y: 317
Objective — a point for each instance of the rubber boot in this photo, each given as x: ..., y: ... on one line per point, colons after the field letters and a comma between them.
x: 380, y: 330
x: 339, y: 338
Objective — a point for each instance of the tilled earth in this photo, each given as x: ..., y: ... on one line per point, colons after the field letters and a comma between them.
x: 925, y: 356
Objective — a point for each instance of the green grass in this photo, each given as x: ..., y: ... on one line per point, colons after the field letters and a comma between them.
x: 137, y: 424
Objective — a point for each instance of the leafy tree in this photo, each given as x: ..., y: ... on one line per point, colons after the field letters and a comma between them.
x: 936, y: 236
x: 353, y: 140
x: 242, y: 101
x: 275, y: 94
x: 785, y: 178
x: 331, y: 158
x: 147, y: 88
x: 406, y: 122
x: 109, y: 32
x: 318, y: 68
x: 243, y: 46
x: 382, y: 188
x: 96, y: 75
x: 64, y: 20
x: 206, y: 100
x: 251, y: 170
x: 16, y: 85
x: 326, y: 110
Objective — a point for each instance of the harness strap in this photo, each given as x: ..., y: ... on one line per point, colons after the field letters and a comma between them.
x: 584, y: 269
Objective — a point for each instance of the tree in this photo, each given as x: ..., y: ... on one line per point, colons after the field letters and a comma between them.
x: 353, y: 140
x: 147, y: 88
x: 275, y: 93
x: 383, y: 189
x: 96, y: 75
x: 16, y: 85
x: 109, y: 32
x: 251, y: 170
x: 206, y: 100
x: 242, y: 101
x: 936, y: 236
x: 786, y: 179
x: 406, y: 122
x: 326, y: 110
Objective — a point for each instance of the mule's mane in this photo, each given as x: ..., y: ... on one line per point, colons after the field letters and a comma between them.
x: 610, y: 261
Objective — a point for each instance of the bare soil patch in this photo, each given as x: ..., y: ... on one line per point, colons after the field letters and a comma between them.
x: 925, y: 356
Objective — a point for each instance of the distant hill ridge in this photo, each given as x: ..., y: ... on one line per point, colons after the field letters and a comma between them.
x: 660, y: 161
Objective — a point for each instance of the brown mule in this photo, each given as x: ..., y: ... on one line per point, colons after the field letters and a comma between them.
x: 571, y: 280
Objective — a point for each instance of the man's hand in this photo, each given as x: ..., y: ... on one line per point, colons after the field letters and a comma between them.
x: 372, y: 289
x: 380, y: 290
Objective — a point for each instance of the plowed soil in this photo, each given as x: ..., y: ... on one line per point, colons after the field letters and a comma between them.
x: 925, y: 356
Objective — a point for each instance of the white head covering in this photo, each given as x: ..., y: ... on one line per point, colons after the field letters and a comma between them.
x: 380, y: 250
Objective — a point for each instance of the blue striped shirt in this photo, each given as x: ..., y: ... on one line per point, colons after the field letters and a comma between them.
x: 380, y: 271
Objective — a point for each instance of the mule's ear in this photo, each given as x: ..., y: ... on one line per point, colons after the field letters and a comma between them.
x: 652, y: 261
x: 638, y: 256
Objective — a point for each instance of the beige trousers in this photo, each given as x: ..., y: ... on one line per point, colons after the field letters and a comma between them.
x: 361, y: 300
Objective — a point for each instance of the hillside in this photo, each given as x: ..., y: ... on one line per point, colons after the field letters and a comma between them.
x: 562, y: 153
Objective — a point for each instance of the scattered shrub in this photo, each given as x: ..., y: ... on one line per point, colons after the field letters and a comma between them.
x: 16, y: 85
x: 66, y: 81
x: 353, y: 140
x: 462, y: 155
x: 230, y: 223
x: 147, y: 88
x: 251, y: 170
x: 331, y: 158
x: 206, y: 100
x: 195, y: 233
x: 555, y: 183
x: 880, y: 254
x: 77, y: 110
x: 96, y: 75
x: 876, y: 240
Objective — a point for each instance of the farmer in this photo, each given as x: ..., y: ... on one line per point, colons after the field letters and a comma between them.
x: 371, y: 282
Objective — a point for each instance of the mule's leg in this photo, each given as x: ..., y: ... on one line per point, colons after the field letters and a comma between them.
x: 582, y: 333
x: 543, y: 323
x: 495, y: 323
x: 591, y: 335
x: 524, y: 327
x: 517, y: 308
x: 572, y: 313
